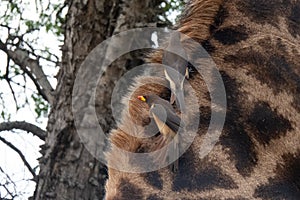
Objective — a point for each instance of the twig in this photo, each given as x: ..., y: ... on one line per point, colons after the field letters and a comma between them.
x: 8, y: 82
x: 25, y: 126
x: 36, y: 74
x: 13, y: 93
x: 21, y: 156
x: 8, y: 177
x: 8, y: 192
x: 4, y: 185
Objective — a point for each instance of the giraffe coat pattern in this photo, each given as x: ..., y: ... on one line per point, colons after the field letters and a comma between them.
x: 256, y: 47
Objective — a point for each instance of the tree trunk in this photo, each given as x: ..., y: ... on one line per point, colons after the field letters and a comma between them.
x: 67, y: 169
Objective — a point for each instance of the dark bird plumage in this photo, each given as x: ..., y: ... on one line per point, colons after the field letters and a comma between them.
x: 167, y: 121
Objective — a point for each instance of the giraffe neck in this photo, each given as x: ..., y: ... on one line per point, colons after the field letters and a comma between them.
x: 255, y: 45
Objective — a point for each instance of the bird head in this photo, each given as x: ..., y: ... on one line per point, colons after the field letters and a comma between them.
x: 146, y: 99
x: 149, y: 99
x: 152, y: 99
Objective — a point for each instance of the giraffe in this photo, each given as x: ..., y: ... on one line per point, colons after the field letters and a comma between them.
x: 256, y: 47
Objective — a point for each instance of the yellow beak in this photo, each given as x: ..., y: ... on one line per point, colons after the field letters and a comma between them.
x: 142, y: 98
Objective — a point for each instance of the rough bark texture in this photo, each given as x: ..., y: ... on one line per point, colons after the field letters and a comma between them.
x: 67, y: 170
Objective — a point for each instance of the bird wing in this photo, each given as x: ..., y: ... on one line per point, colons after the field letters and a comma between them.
x: 167, y: 115
x: 173, y: 121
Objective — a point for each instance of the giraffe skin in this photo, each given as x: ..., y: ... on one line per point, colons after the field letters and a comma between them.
x: 256, y: 47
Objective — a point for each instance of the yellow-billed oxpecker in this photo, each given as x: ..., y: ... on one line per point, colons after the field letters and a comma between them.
x: 167, y: 121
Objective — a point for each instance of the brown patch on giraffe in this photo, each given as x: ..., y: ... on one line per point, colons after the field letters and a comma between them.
x: 279, y: 44
x: 235, y: 137
x: 294, y: 20
x: 286, y: 183
x: 199, y: 178
x: 207, y: 45
x: 128, y: 190
x: 205, y: 116
x: 264, y: 11
x: 220, y: 17
x: 231, y: 35
x: 210, y: 198
x: 292, y: 77
x: 271, y: 68
x: 154, y: 179
x: 259, y: 65
x: 267, y: 124
x: 296, y: 102
x: 154, y: 197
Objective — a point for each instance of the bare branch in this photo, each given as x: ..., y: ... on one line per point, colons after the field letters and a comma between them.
x: 8, y: 82
x: 21, y: 156
x: 13, y: 93
x: 21, y: 58
x: 8, y: 178
x: 8, y: 192
x: 32, y: 68
x: 40, y: 91
x: 32, y: 50
x: 25, y: 126
x: 3, y: 46
x: 9, y: 181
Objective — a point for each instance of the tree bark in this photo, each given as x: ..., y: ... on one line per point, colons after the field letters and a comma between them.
x: 67, y: 170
